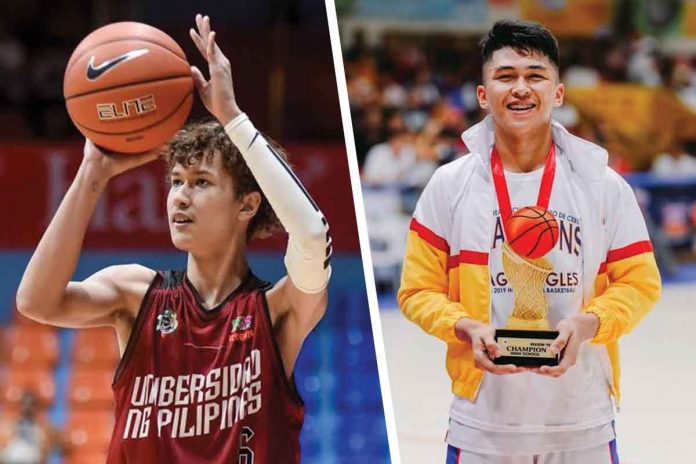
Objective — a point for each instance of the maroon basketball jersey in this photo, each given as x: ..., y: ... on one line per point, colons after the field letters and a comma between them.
x: 204, y: 386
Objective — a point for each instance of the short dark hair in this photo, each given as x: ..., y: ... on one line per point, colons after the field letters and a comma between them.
x: 524, y: 36
x: 199, y: 140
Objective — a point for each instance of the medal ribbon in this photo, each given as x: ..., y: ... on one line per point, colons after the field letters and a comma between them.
x: 501, y: 190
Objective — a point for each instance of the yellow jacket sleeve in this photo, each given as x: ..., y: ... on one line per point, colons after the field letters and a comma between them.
x: 633, y: 289
x: 628, y: 284
x: 423, y: 296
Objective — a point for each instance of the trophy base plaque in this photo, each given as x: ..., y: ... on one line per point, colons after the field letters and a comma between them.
x: 528, y: 348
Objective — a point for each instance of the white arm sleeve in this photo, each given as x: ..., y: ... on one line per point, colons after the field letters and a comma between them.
x: 309, y: 245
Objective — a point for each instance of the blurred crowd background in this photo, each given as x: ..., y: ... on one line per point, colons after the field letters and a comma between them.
x: 629, y: 67
x: 55, y: 397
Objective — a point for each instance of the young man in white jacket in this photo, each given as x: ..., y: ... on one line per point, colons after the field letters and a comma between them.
x: 602, y: 280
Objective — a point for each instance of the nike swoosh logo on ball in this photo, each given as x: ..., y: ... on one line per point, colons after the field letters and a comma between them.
x: 94, y: 72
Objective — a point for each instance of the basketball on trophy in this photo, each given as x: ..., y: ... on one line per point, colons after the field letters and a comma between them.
x: 532, y: 232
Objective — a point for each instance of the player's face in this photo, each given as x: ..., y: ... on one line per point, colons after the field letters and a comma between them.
x: 205, y: 214
x: 520, y: 90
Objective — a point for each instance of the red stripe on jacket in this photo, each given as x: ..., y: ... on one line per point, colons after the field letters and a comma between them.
x: 467, y: 257
x: 628, y: 251
x: 429, y: 236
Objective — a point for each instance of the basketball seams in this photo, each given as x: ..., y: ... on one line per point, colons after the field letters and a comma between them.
x: 522, y: 233
x: 149, y: 81
x: 539, y: 211
x: 538, y: 240
x: 538, y: 216
x: 142, y: 128
x: 551, y: 228
x: 123, y: 39
x: 548, y: 223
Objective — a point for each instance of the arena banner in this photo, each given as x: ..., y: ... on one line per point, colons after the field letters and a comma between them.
x: 503, y: 9
x: 639, y: 122
x: 570, y: 17
x: 688, y: 23
x: 666, y: 18
x: 132, y: 211
x: 465, y: 13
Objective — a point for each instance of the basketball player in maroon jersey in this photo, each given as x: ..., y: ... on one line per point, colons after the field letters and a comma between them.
x: 207, y: 354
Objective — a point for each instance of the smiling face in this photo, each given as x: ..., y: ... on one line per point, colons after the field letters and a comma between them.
x: 520, y: 90
x: 205, y: 213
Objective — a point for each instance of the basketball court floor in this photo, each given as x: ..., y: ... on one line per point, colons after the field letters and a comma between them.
x: 658, y: 410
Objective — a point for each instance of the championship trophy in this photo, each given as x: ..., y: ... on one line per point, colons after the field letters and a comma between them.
x: 530, y: 234
x: 526, y: 340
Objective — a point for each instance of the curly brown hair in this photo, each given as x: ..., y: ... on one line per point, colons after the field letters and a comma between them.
x: 202, y: 139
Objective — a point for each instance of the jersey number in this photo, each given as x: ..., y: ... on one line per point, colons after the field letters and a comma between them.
x: 246, y: 454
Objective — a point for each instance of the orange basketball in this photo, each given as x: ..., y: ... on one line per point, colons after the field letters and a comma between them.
x: 128, y: 87
x: 532, y: 232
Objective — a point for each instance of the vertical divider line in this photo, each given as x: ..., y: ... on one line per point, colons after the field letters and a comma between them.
x: 362, y: 233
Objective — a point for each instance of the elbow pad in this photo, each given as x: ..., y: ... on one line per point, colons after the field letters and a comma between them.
x: 308, y: 262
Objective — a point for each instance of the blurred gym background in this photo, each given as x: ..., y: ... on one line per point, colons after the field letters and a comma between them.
x: 55, y: 397
x: 629, y: 67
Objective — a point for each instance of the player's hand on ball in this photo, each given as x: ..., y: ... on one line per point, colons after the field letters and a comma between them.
x: 218, y: 92
x: 482, y: 338
x: 572, y: 333
x: 105, y: 165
